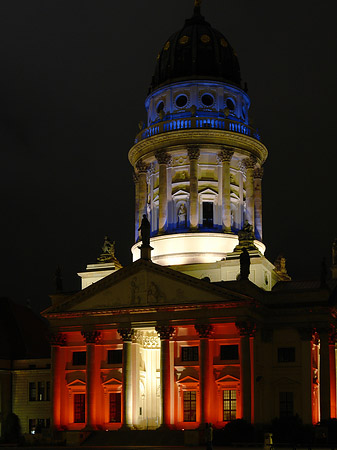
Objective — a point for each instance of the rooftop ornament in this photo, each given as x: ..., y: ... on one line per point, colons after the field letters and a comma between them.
x: 108, y: 253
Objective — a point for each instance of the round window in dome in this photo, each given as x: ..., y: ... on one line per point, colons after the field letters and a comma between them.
x: 160, y: 107
x: 230, y: 104
x: 207, y: 99
x: 205, y: 38
x: 181, y: 100
x: 184, y: 40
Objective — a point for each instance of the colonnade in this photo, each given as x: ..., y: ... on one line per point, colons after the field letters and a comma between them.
x: 253, y: 190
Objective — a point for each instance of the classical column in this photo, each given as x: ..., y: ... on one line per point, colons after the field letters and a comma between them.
x: 57, y: 341
x: 205, y: 368
x: 91, y: 339
x: 258, y: 174
x: 225, y: 157
x: 136, y: 181
x: 193, y: 154
x: 250, y: 163
x: 332, y: 366
x: 247, y: 331
x: 165, y: 333
x: 142, y: 169
x: 163, y: 159
x: 126, y: 334
x: 324, y: 374
x: 307, y: 374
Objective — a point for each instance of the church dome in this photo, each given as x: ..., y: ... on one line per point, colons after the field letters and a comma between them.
x: 197, y: 51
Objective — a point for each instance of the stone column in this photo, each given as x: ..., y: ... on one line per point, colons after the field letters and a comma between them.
x: 57, y: 341
x: 250, y: 163
x: 324, y: 374
x: 225, y: 157
x: 136, y: 181
x: 142, y: 169
x: 258, y: 174
x: 91, y: 339
x: 332, y: 366
x: 126, y: 334
x: 193, y: 154
x: 204, y: 331
x: 165, y: 333
x: 307, y: 374
x: 246, y: 330
x: 163, y: 159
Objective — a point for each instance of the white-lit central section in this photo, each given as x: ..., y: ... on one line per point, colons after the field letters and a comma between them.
x: 191, y: 248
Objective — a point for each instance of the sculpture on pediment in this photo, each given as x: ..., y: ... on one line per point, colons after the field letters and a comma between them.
x: 108, y: 253
x: 154, y: 295
x: 281, y: 269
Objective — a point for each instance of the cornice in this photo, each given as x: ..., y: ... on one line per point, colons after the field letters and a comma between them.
x: 240, y: 143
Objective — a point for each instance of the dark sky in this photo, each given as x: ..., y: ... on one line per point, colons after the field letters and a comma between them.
x: 73, y: 79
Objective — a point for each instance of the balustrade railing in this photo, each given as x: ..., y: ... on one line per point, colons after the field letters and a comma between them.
x: 195, y: 123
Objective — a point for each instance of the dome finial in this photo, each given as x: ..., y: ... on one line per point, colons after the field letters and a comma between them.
x: 197, y: 4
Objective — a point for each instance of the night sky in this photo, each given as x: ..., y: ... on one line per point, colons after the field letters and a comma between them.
x: 73, y: 79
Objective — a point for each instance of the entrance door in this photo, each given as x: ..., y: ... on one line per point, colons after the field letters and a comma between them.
x: 79, y: 408
x: 115, y: 407
x: 207, y: 214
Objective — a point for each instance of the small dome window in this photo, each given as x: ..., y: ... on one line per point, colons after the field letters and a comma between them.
x: 205, y: 39
x: 181, y: 100
x: 207, y: 99
x: 160, y: 107
x: 230, y: 104
x: 184, y: 40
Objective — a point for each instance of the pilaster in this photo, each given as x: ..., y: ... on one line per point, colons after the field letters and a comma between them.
x: 57, y: 341
x: 142, y: 169
x: 250, y: 164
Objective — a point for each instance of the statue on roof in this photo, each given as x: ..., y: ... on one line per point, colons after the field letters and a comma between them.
x: 244, y: 264
x: 145, y: 230
x: 108, y: 252
x: 281, y: 269
x: 246, y: 238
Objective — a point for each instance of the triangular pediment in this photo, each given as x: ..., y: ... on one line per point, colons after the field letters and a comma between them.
x: 145, y: 284
x: 77, y: 382
x: 187, y: 380
x: 179, y: 193
x: 227, y: 379
x: 112, y: 382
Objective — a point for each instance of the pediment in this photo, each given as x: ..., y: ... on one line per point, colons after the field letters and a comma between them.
x: 76, y: 382
x: 144, y: 284
x: 112, y: 382
x: 188, y: 380
x: 227, y: 379
x: 208, y: 191
x: 180, y: 192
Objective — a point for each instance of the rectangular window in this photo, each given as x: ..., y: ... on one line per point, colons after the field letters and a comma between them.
x: 32, y: 426
x: 190, y: 406
x: 190, y: 353
x: 40, y: 391
x: 229, y: 352
x: 286, y: 404
x: 207, y: 214
x: 32, y: 392
x: 79, y: 408
x: 79, y: 358
x: 115, y: 356
x: 115, y: 407
x: 229, y: 405
x: 286, y: 354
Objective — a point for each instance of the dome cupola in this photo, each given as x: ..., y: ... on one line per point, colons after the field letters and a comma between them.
x: 197, y: 51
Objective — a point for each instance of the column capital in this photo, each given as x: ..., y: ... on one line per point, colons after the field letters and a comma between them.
x: 91, y: 337
x: 225, y: 155
x: 142, y: 167
x: 165, y: 332
x: 193, y: 152
x: 135, y: 177
x: 126, y: 334
x: 246, y: 328
x: 204, y: 330
x: 258, y: 173
x: 57, y: 339
x: 162, y: 157
x: 250, y: 162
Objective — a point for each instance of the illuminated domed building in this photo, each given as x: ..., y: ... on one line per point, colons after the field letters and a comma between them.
x: 181, y: 337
